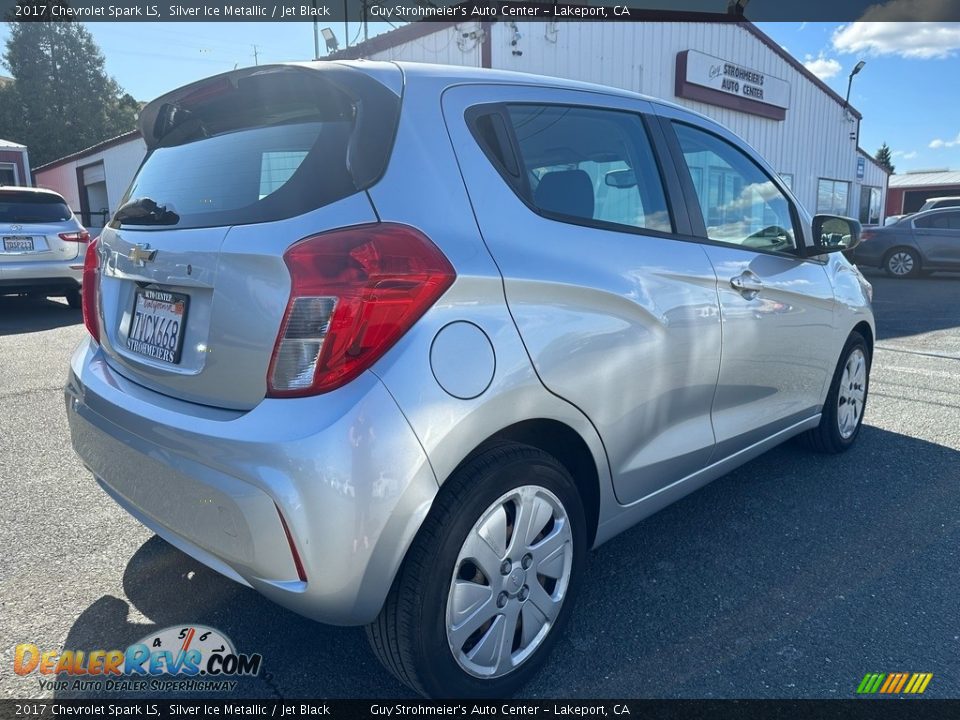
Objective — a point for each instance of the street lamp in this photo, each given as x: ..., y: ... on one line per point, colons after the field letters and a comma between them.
x: 856, y: 68
x: 330, y: 39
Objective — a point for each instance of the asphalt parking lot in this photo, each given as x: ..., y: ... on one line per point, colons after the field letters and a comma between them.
x: 791, y: 577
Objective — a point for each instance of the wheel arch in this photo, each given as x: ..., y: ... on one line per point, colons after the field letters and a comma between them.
x: 558, y: 439
x: 864, y: 329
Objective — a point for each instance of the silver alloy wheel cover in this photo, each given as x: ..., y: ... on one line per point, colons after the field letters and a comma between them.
x: 853, y: 391
x: 900, y: 263
x: 472, y: 610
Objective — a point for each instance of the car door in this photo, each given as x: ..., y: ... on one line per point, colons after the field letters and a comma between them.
x: 776, y: 305
x: 618, y: 312
x: 938, y: 237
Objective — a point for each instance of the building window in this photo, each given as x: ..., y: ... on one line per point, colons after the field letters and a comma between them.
x: 869, y: 205
x: 832, y: 197
x: 787, y: 179
x: 8, y: 174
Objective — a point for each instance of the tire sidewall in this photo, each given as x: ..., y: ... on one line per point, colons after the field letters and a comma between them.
x: 442, y: 676
x: 831, y: 409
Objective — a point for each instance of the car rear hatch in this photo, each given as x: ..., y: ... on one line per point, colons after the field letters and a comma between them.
x: 37, y: 226
x: 193, y: 284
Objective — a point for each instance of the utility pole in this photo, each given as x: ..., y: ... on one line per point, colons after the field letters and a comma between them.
x: 256, y: 55
x: 316, y: 36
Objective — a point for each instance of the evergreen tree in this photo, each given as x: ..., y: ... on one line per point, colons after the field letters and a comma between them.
x: 883, y: 157
x: 61, y: 100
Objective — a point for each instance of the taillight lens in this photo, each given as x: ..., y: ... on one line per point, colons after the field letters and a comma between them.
x: 91, y: 282
x: 354, y: 293
x: 79, y: 237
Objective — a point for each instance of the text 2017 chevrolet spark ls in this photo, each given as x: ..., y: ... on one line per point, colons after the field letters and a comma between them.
x: 395, y: 345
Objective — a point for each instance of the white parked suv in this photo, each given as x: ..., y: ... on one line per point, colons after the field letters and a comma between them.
x: 42, y: 244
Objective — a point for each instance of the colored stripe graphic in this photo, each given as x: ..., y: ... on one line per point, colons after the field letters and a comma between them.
x: 894, y: 683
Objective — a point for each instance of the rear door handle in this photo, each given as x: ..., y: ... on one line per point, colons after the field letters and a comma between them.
x: 747, y: 284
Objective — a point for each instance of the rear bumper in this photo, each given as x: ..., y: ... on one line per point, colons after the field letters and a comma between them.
x: 211, y: 482
x: 45, y: 276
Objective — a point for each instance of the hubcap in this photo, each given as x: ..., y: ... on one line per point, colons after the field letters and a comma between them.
x: 900, y: 263
x: 853, y: 391
x: 509, y: 582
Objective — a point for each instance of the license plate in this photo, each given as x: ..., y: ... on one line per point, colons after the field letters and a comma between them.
x: 157, y: 323
x: 18, y: 243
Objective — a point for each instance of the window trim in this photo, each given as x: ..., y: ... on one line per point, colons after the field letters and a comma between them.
x: 521, y: 185
x: 695, y: 212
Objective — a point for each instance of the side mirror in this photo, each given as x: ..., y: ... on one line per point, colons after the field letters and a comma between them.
x: 832, y: 233
x: 622, y: 179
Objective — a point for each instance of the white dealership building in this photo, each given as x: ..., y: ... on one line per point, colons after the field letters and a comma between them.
x: 728, y: 70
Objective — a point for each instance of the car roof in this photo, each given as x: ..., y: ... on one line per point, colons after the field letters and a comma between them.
x: 465, y: 74
x: 945, y: 197
x: 34, y: 190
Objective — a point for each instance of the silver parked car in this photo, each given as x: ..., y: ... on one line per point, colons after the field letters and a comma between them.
x: 920, y: 243
x: 396, y: 345
x: 42, y: 244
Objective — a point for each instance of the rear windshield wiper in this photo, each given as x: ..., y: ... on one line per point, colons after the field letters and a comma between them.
x: 144, y: 211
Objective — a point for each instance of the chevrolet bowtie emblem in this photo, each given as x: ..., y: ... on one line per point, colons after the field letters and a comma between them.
x: 141, y: 254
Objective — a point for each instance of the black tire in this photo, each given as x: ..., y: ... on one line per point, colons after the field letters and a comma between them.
x: 74, y: 299
x: 827, y: 437
x: 890, y: 262
x: 410, y: 635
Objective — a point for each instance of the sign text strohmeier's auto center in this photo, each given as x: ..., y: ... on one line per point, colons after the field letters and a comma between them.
x: 713, y: 80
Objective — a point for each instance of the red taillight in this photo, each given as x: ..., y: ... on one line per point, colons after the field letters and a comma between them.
x: 354, y: 293
x: 79, y: 237
x: 301, y: 573
x: 91, y: 281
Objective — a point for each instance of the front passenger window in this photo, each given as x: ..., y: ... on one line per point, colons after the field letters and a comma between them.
x: 741, y: 205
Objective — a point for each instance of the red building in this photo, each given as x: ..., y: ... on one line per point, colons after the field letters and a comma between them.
x: 907, y: 192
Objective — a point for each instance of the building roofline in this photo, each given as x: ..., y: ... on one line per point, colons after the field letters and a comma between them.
x: 106, y: 144
x: 421, y: 28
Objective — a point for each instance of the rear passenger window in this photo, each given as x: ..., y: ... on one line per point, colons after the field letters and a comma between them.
x: 939, y: 221
x: 590, y: 165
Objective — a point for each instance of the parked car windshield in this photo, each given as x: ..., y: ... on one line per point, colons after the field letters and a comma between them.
x: 31, y: 207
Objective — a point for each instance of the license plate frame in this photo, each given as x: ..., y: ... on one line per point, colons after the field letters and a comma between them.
x: 11, y: 243
x: 149, y: 330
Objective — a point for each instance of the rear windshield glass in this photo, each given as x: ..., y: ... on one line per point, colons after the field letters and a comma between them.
x: 247, y: 176
x: 253, y: 149
x: 32, y: 208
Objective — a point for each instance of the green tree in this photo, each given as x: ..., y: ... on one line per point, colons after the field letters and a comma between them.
x: 62, y: 99
x: 885, y: 158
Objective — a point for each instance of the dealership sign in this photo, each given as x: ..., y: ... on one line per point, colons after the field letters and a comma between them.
x: 713, y: 80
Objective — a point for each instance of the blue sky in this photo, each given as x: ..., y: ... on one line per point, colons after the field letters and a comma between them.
x: 907, y: 92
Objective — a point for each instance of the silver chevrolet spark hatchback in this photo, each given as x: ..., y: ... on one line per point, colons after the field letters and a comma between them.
x: 395, y: 345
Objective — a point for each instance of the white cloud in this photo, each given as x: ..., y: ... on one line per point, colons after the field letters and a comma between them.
x: 821, y: 66
x: 904, y: 154
x: 938, y: 143
x: 906, y: 39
